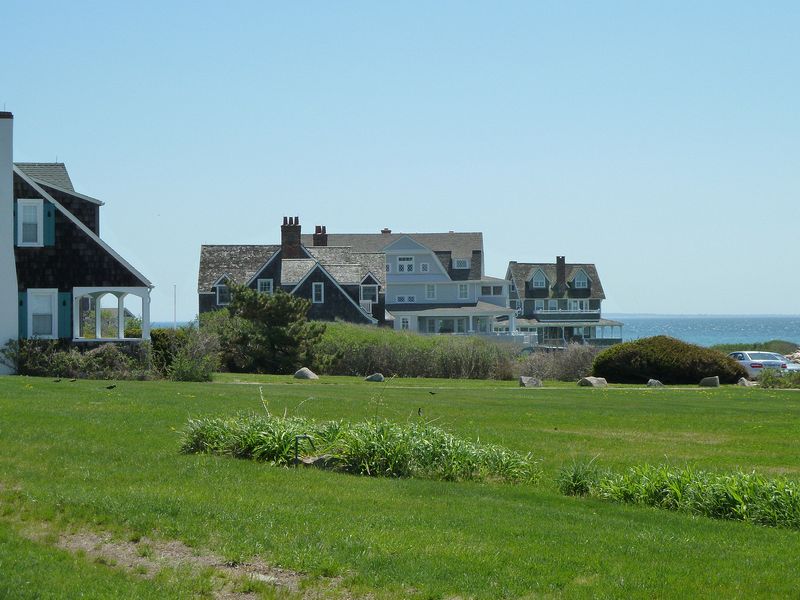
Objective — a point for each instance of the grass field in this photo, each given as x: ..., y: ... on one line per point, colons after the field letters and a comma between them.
x: 75, y: 456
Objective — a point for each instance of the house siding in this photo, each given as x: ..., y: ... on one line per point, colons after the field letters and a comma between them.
x: 337, y: 305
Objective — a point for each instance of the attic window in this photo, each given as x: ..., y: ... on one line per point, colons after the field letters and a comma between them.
x: 405, y: 264
x: 461, y: 263
x: 318, y: 292
x: 581, y: 281
x: 369, y: 293
x: 223, y: 295
x: 539, y: 280
x: 424, y: 267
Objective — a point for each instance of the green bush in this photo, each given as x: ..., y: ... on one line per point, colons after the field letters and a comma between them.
x: 375, y: 448
x: 773, y: 379
x: 664, y: 358
x: 737, y: 496
x: 568, y: 364
x: 362, y: 350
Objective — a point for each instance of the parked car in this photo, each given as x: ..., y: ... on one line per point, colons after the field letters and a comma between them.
x: 791, y: 367
x: 755, y: 361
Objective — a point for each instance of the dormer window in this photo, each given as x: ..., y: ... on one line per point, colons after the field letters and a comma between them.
x: 539, y: 281
x: 581, y: 281
x: 369, y: 293
x: 405, y: 264
x: 223, y: 294
x: 30, y: 222
x: 264, y: 286
x: 461, y: 263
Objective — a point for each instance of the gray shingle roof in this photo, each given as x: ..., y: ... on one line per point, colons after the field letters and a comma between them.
x: 460, y: 244
x: 55, y: 173
x: 522, y: 272
x: 294, y: 269
x: 361, y: 263
x: 240, y: 262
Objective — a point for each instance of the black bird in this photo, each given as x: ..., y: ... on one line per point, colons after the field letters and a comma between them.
x: 432, y: 393
x: 419, y: 411
x: 111, y: 387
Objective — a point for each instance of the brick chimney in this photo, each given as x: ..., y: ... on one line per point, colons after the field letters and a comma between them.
x: 9, y: 311
x: 320, y: 235
x: 290, y: 238
x: 561, y: 274
x: 386, y: 230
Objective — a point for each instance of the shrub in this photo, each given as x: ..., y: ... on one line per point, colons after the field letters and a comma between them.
x: 771, y: 379
x: 165, y: 346
x: 667, y: 359
x: 375, y: 448
x: 361, y: 350
x: 569, y: 364
x: 196, y: 358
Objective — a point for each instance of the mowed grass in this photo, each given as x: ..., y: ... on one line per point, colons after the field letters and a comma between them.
x: 79, y: 455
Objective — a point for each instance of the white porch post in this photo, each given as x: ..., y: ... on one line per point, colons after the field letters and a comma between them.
x: 512, y: 323
x: 146, y: 315
x: 98, y: 318
x: 121, y: 316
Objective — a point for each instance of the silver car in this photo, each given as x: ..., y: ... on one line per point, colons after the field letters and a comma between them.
x: 756, y: 361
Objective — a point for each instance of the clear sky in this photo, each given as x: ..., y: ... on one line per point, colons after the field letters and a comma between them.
x: 660, y: 141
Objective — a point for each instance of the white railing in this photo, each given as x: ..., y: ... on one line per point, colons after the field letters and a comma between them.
x: 367, y: 306
x: 557, y: 311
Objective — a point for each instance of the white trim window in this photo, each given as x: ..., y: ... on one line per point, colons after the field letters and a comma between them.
x: 223, y: 294
x: 264, y: 286
x: 424, y: 267
x: 538, y: 305
x: 430, y: 291
x: 400, y: 299
x: 539, y: 281
x: 369, y: 293
x: 318, y: 292
x: 405, y: 264
x: 30, y: 222
x: 552, y: 305
x: 463, y: 291
x: 581, y: 281
x: 43, y: 314
x: 405, y: 323
x: 461, y: 263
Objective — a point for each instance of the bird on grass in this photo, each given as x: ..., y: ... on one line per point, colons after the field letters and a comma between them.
x: 419, y: 411
x: 57, y: 380
x: 432, y: 393
x: 111, y: 387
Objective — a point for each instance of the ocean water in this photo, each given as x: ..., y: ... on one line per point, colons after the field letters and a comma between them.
x: 708, y: 330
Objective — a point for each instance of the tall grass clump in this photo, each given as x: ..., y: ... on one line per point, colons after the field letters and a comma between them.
x: 568, y: 364
x: 771, y: 379
x: 735, y: 496
x: 377, y: 448
x: 361, y: 350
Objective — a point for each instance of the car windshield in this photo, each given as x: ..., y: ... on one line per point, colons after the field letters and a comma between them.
x: 762, y: 356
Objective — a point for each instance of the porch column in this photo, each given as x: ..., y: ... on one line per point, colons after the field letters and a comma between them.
x: 512, y: 323
x: 121, y: 316
x: 76, y: 316
x: 146, y: 315
x: 98, y: 318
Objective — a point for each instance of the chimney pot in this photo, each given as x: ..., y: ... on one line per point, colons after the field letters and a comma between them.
x: 386, y: 230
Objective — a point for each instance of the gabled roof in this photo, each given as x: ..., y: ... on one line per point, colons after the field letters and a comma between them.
x: 522, y: 272
x: 360, y: 263
x: 53, y: 173
x: 240, y: 262
x: 293, y: 270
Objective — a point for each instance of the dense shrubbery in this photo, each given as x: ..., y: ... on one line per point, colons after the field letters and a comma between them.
x: 265, y: 333
x: 569, y: 364
x: 378, y: 448
x: 361, y: 350
x: 772, y: 379
x: 664, y: 358
x: 779, y: 346
x: 738, y: 496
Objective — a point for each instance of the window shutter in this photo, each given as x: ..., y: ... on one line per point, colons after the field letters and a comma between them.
x: 23, y: 313
x: 49, y: 229
x: 64, y: 314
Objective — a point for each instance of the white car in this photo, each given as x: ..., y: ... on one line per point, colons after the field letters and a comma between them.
x: 791, y: 367
x: 756, y: 361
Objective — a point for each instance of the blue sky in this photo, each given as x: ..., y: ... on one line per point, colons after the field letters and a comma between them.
x: 660, y: 141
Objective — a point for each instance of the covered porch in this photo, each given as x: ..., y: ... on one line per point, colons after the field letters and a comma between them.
x: 478, y: 319
x: 600, y: 332
x: 102, y: 314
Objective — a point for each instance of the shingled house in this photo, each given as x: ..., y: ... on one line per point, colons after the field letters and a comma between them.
x: 435, y: 282
x: 63, y: 270
x: 560, y: 303
x: 341, y: 282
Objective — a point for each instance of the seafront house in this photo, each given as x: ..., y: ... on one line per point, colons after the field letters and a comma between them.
x: 60, y: 271
x: 558, y: 303
x: 341, y: 282
x: 435, y: 282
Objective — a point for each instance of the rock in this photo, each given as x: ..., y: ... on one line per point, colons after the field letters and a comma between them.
x: 374, y: 377
x: 709, y: 381
x: 744, y: 382
x: 654, y: 383
x: 305, y: 373
x: 529, y: 382
x: 592, y: 382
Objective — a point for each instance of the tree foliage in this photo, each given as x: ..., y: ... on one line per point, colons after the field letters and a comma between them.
x: 265, y: 333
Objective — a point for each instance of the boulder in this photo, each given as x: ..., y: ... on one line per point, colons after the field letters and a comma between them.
x: 744, y: 382
x: 529, y: 382
x: 654, y: 383
x: 709, y: 381
x: 305, y: 373
x: 374, y: 377
x: 597, y: 382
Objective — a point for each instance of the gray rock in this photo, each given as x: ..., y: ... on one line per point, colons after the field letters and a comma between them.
x: 529, y: 382
x: 305, y: 373
x: 597, y: 382
x: 654, y: 383
x: 375, y: 377
x: 709, y: 381
x: 744, y: 382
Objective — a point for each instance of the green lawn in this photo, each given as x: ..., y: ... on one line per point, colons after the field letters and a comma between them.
x: 76, y: 455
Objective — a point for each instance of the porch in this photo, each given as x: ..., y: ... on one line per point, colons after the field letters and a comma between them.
x: 102, y: 314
